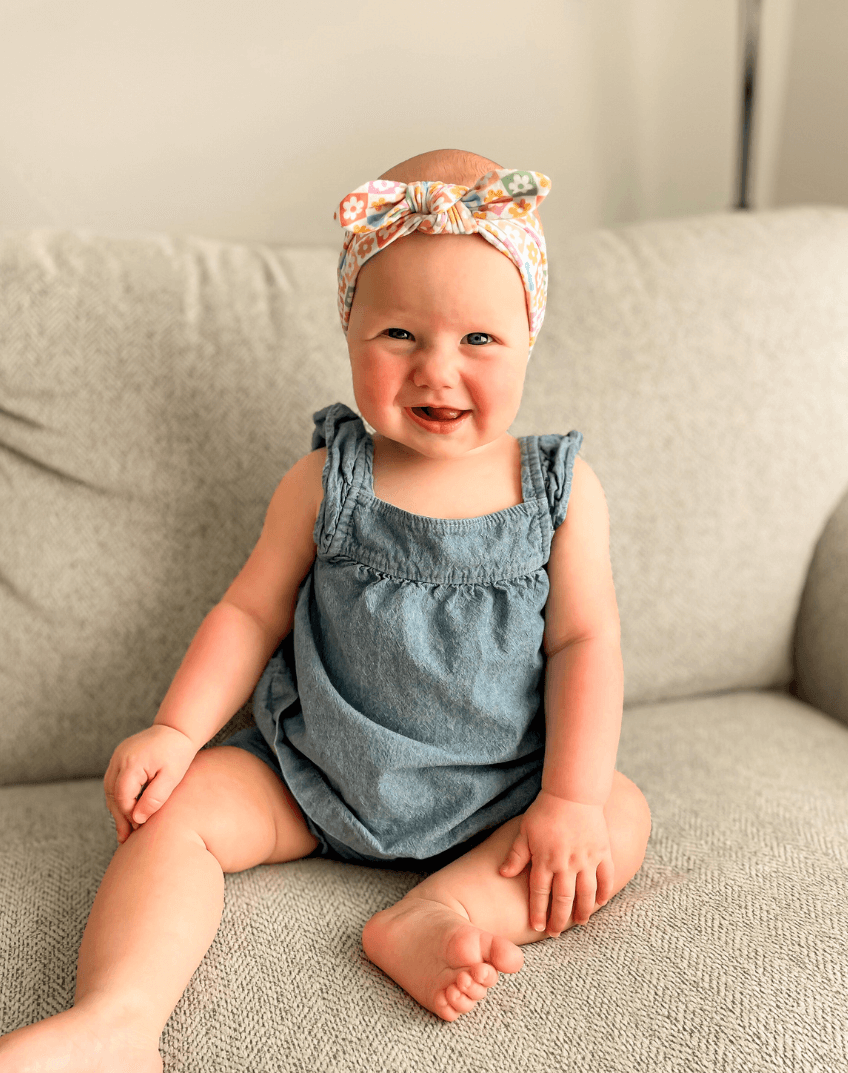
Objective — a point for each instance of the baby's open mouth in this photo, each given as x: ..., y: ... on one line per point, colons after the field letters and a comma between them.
x: 438, y: 413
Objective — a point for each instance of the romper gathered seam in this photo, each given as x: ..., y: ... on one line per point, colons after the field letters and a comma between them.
x: 389, y: 572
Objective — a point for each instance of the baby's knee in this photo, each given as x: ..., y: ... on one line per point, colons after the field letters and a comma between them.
x: 217, y: 802
x: 188, y: 803
x: 629, y: 823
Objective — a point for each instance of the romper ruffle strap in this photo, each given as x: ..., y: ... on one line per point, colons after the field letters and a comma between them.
x: 557, y: 455
x: 343, y: 433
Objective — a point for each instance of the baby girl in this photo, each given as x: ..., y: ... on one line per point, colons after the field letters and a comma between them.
x: 429, y: 626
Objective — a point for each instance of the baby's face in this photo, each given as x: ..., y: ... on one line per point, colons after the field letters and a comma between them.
x: 439, y: 321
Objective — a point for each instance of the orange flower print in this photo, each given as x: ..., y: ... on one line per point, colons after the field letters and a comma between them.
x: 519, y: 208
x: 386, y: 234
x: 353, y: 208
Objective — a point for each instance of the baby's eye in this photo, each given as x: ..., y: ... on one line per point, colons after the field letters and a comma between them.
x: 477, y: 338
x: 403, y: 332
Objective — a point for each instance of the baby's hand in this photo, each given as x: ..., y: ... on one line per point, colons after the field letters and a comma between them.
x: 568, y: 844
x: 148, y: 765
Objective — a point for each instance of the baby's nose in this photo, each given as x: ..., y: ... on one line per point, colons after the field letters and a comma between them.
x: 437, y: 367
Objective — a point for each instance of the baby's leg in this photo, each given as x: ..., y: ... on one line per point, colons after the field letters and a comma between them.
x: 446, y: 940
x: 157, y: 911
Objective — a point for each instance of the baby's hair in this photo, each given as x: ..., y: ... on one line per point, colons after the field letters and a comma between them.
x: 442, y: 165
x: 456, y: 166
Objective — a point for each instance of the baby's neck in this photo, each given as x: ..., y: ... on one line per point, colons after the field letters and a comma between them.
x: 475, y: 484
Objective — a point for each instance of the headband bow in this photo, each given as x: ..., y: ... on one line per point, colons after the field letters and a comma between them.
x: 498, y: 207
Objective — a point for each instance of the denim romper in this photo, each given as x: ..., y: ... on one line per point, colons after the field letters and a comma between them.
x: 404, y: 711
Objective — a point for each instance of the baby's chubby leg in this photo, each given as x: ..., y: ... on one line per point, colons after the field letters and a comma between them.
x: 157, y: 911
x: 446, y: 941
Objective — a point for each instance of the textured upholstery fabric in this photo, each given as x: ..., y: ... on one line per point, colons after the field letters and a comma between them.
x: 152, y: 392
x: 725, y: 952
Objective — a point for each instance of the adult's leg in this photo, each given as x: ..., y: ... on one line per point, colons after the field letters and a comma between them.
x: 157, y: 911
x: 447, y: 939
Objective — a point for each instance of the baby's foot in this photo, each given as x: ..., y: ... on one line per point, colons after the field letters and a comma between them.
x: 443, y: 961
x: 78, y: 1041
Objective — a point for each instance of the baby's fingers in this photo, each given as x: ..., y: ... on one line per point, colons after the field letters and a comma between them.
x: 154, y: 796
x: 129, y: 787
x: 541, y: 882
x: 517, y: 858
x: 120, y: 802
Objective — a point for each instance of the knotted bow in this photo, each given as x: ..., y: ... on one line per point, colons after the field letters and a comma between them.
x: 498, y: 207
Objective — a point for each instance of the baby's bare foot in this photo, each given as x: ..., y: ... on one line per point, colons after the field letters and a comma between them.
x: 443, y: 961
x: 78, y: 1041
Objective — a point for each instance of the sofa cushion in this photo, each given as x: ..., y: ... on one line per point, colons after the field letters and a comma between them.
x: 705, y: 360
x: 724, y: 952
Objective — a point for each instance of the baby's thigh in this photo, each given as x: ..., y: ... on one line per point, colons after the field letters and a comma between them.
x: 240, y: 808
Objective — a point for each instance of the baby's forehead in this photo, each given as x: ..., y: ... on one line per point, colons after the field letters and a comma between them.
x: 462, y: 273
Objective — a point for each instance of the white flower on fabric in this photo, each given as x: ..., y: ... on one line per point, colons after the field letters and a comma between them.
x: 382, y: 184
x: 353, y: 207
x: 520, y: 184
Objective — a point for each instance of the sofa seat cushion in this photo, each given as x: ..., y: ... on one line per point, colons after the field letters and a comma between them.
x: 726, y: 951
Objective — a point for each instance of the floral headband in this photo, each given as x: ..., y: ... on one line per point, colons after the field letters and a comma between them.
x: 499, y: 207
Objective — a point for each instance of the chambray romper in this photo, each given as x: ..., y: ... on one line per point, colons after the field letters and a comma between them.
x: 404, y: 711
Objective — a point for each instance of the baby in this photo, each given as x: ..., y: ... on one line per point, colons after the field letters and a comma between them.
x: 430, y: 616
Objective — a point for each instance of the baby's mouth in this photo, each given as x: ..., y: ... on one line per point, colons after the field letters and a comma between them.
x: 438, y: 413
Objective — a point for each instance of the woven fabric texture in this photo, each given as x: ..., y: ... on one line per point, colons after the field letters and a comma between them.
x: 724, y: 954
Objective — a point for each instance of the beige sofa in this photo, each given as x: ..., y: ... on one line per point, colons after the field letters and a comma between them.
x: 153, y: 390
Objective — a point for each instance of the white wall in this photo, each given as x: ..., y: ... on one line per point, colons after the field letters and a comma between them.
x: 251, y: 119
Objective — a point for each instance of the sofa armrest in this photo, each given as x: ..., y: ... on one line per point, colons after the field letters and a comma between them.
x: 821, y: 633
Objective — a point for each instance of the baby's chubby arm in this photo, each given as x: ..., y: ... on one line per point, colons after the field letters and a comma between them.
x: 564, y: 832
x: 227, y: 655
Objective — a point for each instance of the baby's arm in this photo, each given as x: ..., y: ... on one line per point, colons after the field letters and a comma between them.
x: 564, y: 831
x: 584, y: 677
x: 238, y: 636
x: 226, y: 656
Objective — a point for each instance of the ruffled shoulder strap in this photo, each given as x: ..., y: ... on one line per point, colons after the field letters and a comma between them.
x: 344, y: 435
x: 556, y: 458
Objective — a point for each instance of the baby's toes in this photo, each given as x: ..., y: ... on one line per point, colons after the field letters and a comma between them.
x: 485, y: 974
x: 460, y: 1002
x: 468, y: 986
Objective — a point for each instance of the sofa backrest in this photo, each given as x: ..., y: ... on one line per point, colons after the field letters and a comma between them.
x: 153, y: 390
x: 705, y: 360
